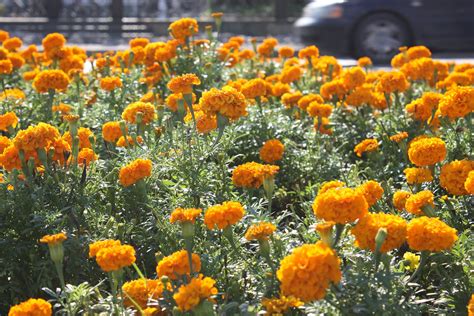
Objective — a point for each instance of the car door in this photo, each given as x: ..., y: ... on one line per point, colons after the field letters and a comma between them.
x: 444, y: 24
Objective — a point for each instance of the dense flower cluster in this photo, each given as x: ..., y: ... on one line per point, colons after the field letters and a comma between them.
x: 454, y: 174
x: 228, y: 102
x: 48, y: 80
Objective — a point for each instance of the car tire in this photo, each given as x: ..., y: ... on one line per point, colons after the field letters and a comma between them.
x: 379, y: 36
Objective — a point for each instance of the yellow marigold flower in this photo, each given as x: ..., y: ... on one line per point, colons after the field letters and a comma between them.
x: 95, y: 247
x: 454, y: 174
x: 135, y: 171
x: 317, y: 109
x: 291, y: 99
x: 364, y: 62
x: 110, y: 83
x: 183, y: 215
x: 177, y: 264
x: 372, y: 191
x: 15, y: 94
x: 115, y: 258
x: 254, y: 88
x: 228, y: 102
x: 286, y: 52
x: 399, y: 137
x: 12, y: 44
x: 141, y: 291
x: 6, y: 67
x: 130, y: 141
x: 53, y: 239
x: 367, y: 145
x: 430, y: 234
x: 331, y: 185
x: 252, y: 174
x: 51, y: 80
x: 416, y: 202
x: 308, y: 271
x: 353, y: 77
x: 368, y: 226
x: 86, y: 156
x: 306, y: 100
x: 221, y: 216
x: 393, y: 82
x: 457, y: 102
x: 418, y: 175
x: 333, y: 89
x: 7, y: 120
x: 278, y: 306
x: 308, y: 52
x: 183, y: 28
x: 146, y: 109
x: 198, y: 289
x: 340, y: 205
x: 412, y: 259
x: 417, y: 52
x: 111, y: 131
x: 469, y: 183
x: 291, y: 74
x: 184, y: 83
x: 272, y: 151
x: 427, y: 151
x: 260, y: 231
x: 33, y: 307
x: 36, y: 137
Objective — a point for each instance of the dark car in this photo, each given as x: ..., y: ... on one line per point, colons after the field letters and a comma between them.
x: 377, y: 28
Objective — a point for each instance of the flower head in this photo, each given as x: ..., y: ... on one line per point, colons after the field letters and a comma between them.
x: 221, y: 216
x: 146, y: 109
x: 367, y: 145
x: 177, y: 264
x: 95, y: 247
x: 426, y: 151
x: 183, y: 215
x: 183, y: 28
x: 399, y: 199
x: 278, y: 306
x: 272, y: 151
x: 33, y: 307
x: 252, y: 174
x: 453, y: 175
x: 260, y: 231
x: 430, y: 234
x: 115, y: 257
x: 198, y: 289
x: 372, y: 191
x: 184, y: 83
x: 418, y: 175
x: 135, y: 171
x: 51, y: 80
x: 141, y: 291
x: 53, y: 239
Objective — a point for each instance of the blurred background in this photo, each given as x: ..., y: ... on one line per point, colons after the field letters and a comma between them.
x: 345, y: 28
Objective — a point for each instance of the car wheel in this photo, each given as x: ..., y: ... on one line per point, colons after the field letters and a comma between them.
x: 379, y: 36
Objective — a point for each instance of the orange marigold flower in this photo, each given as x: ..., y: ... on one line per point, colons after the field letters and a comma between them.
x: 308, y: 272
x: 86, y: 156
x: 53, y: 239
x: 368, y: 226
x: 5, y: 142
x: 51, y: 80
x: 367, y: 145
x: 309, y: 52
x: 140, y: 292
x: 7, y: 120
x: 177, y: 264
x: 16, y: 60
x: 135, y: 171
x: 364, y: 62
x: 33, y: 307
x: 146, y: 109
x: 260, y: 231
x: 221, y: 216
x: 254, y: 88
x: 228, y: 102
x: 184, y: 83
x: 306, y: 100
x: 115, y: 257
x: 430, y: 234
x: 130, y: 141
x: 353, y: 77
x: 399, y: 137
x: 372, y: 191
x: 30, y: 75
x: 457, y: 102
x: 291, y: 99
x: 198, y: 289
x: 340, y: 205
x: 183, y: 28
x: 95, y: 247
x: 139, y: 42
x: 36, y: 137
x: 110, y: 83
x: 322, y: 125
x: 278, y: 306
x: 327, y: 65
x: 427, y: 151
x: 326, y: 186
x: 291, y: 74
x: 417, y: 52
x: 422, y: 109
x: 4, y: 35
x: 286, y: 52
x: 85, y: 135
x: 333, y: 90
x: 416, y: 202
x: 453, y: 175
x: 399, y: 199
x: 183, y: 215
x: 62, y: 107
x: 252, y: 174
x: 53, y: 41
x: 418, y: 175
x: 6, y: 67
x: 317, y: 109
x: 13, y: 44
x: 111, y: 131
x: 394, y: 81
x: 10, y: 158
x: 272, y: 151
